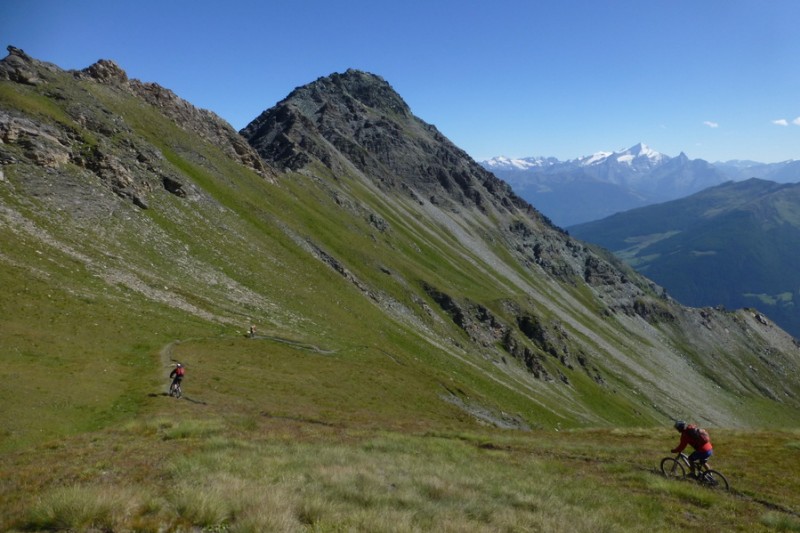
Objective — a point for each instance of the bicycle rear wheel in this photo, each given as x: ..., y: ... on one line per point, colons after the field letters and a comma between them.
x: 672, y: 468
x: 714, y: 480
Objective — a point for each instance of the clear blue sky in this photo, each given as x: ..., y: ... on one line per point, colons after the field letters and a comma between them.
x: 717, y: 79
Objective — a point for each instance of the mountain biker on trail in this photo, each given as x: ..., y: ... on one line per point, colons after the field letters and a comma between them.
x: 698, y: 439
x: 177, y: 375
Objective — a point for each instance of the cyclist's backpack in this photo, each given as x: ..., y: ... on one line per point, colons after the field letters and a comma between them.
x: 180, y: 371
x: 699, y: 436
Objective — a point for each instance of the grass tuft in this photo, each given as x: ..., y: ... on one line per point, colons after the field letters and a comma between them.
x: 204, y: 507
x: 83, y: 507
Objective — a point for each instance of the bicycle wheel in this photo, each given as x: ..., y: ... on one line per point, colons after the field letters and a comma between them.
x: 714, y: 480
x: 672, y: 468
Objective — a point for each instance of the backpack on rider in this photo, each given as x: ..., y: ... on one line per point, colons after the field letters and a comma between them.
x: 698, y: 436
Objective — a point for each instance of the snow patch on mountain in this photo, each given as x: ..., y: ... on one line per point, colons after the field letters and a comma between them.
x: 594, y: 159
x: 507, y: 163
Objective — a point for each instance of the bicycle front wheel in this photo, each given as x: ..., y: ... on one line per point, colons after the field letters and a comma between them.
x: 714, y: 480
x: 672, y: 468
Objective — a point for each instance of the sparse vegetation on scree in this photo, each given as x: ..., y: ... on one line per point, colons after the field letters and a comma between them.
x: 430, y: 354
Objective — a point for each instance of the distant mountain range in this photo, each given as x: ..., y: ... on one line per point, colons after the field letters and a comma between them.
x: 735, y: 245
x: 596, y: 186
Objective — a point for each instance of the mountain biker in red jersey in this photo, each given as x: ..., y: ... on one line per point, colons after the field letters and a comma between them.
x: 698, y: 439
x: 177, y: 374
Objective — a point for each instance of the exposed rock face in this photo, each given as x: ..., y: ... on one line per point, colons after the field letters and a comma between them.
x: 43, y: 144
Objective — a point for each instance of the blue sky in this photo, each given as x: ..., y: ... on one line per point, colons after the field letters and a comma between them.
x: 716, y: 79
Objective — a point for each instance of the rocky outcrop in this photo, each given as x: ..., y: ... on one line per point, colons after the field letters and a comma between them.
x: 96, y: 139
x: 528, y: 338
x: 106, y: 71
x: 132, y: 175
x: 19, y: 67
x: 42, y: 144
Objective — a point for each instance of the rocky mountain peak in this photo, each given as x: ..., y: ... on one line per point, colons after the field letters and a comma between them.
x: 369, y: 90
x: 357, y: 120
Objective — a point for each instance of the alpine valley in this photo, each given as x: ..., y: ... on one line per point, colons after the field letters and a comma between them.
x: 734, y: 245
x: 593, y: 187
x: 431, y: 353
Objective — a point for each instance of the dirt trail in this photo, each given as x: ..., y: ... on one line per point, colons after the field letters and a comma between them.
x: 296, y: 344
x: 165, y: 355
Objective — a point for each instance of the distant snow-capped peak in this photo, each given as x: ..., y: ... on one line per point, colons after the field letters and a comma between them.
x: 639, y: 153
x: 641, y: 150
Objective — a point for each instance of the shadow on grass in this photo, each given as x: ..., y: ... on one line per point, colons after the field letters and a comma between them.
x: 200, y: 402
x: 184, y: 397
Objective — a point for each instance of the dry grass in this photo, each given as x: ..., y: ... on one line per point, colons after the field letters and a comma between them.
x: 162, y: 474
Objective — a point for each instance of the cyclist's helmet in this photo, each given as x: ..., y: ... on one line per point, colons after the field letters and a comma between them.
x: 178, y: 365
x: 680, y: 425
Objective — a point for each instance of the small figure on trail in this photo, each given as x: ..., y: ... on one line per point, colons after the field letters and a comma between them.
x: 177, y: 375
x: 699, y: 440
x: 252, y: 331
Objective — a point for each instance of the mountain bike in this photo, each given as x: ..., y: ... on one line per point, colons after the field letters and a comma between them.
x: 676, y: 468
x: 175, y: 390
